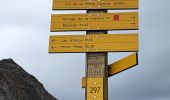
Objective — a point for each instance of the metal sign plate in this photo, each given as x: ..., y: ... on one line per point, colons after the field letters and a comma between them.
x: 93, y: 43
x: 123, y: 64
x: 100, y: 21
x: 94, y: 4
x: 95, y: 89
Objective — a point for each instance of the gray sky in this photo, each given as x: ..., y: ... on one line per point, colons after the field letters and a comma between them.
x: 24, y: 34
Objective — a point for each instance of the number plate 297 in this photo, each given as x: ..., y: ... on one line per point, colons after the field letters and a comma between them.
x: 95, y: 88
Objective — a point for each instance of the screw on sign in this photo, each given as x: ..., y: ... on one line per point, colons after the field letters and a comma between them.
x: 96, y: 43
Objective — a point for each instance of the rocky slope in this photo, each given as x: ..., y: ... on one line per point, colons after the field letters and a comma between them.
x: 17, y: 84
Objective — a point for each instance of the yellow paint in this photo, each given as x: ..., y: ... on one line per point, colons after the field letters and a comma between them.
x: 123, y: 64
x: 119, y: 66
x: 93, y: 43
x: 94, y: 4
x: 100, y: 21
x: 94, y: 88
x: 83, y: 82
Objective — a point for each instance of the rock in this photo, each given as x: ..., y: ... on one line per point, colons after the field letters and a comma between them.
x: 17, y: 84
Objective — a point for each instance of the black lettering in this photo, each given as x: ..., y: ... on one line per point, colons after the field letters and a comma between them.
x: 94, y: 89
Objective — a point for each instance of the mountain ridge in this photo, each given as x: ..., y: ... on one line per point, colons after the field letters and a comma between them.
x: 17, y: 84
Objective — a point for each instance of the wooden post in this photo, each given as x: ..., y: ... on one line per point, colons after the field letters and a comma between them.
x: 96, y: 64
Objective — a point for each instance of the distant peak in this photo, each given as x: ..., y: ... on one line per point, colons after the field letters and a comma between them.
x: 17, y: 84
x: 10, y: 65
x: 9, y: 60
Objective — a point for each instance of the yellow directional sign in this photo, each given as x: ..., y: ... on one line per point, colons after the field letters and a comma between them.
x: 119, y: 66
x: 93, y: 43
x: 123, y: 64
x: 94, y: 88
x: 94, y: 4
x: 99, y: 21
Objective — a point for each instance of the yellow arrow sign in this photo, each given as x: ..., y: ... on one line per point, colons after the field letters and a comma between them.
x: 99, y: 21
x: 94, y: 4
x: 123, y: 64
x: 119, y: 66
x: 93, y: 43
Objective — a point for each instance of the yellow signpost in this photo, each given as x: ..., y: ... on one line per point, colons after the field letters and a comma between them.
x: 96, y: 43
x: 99, y: 21
x: 93, y: 43
x: 94, y: 4
x: 119, y: 66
